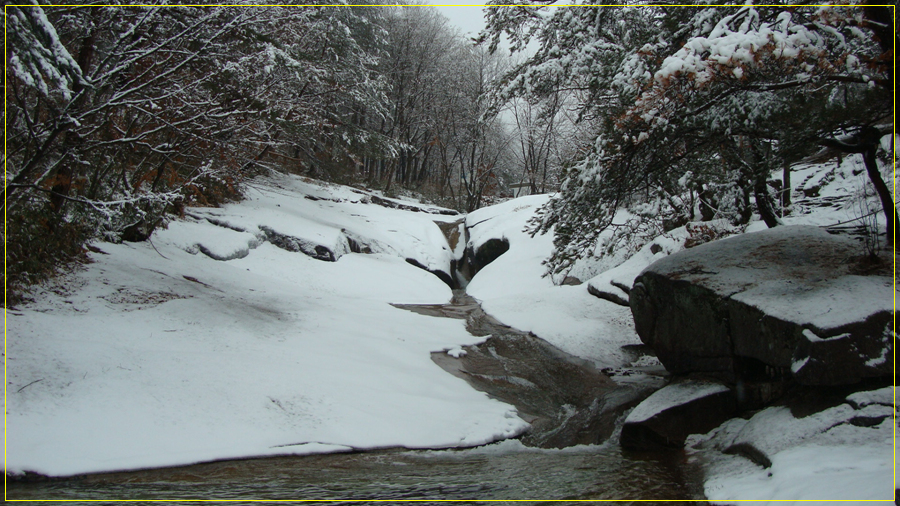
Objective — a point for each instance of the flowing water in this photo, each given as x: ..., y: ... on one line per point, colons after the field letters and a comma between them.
x: 571, y: 452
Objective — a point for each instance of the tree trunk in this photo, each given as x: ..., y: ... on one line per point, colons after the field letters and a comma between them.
x: 763, y: 203
x: 786, y: 185
x: 390, y: 178
x: 60, y: 189
x: 742, y: 201
x: 887, y: 202
x: 867, y: 143
x: 707, y: 204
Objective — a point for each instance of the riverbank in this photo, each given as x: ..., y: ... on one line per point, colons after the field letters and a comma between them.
x: 156, y: 354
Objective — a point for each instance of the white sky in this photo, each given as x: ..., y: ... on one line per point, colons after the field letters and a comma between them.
x: 465, y: 14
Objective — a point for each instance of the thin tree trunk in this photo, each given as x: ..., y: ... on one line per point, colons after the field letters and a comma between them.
x: 867, y: 144
x: 884, y: 193
x: 786, y: 185
x: 63, y: 179
x: 763, y: 204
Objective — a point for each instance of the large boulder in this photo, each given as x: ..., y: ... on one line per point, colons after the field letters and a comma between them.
x: 763, y: 309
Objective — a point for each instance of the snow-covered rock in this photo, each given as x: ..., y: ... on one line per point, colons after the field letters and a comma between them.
x: 765, y: 307
x: 324, y: 221
x: 839, y: 452
x: 669, y: 415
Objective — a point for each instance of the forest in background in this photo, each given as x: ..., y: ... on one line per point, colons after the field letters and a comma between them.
x: 118, y: 117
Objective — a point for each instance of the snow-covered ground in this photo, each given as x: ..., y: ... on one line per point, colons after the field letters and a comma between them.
x: 156, y: 354
x: 514, y: 290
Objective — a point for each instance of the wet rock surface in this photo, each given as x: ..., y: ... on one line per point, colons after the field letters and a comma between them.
x: 567, y: 400
x: 454, y: 231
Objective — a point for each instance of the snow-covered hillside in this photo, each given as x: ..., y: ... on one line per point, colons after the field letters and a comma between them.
x: 514, y: 289
x: 156, y: 354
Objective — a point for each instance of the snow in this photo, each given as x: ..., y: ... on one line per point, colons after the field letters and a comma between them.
x: 814, y: 277
x: 513, y: 289
x: 883, y: 396
x: 830, y: 304
x: 810, y: 473
x: 339, y: 213
x: 42, y: 56
x: 797, y: 365
x: 731, y: 47
x: 216, y: 242
x: 813, y: 338
x: 161, y: 356
x: 625, y: 272
x: 456, y: 352
x: 827, y: 194
x: 158, y: 354
x: 816, y: 457
x: 675, y: 394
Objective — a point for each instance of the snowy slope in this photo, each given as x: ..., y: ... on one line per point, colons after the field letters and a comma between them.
x: 156, y: 354
x: 513, y: 290
x: 327, y: 215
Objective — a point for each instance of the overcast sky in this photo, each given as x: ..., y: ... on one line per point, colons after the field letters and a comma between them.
x: 469, y: 19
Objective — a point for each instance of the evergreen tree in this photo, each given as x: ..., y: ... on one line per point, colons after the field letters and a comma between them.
x: 693, y: 100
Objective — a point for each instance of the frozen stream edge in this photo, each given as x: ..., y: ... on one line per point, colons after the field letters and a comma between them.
x: 566, y: 399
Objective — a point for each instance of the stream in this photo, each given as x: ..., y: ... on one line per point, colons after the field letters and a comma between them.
x: 505, y: 471
x: 571, y: 452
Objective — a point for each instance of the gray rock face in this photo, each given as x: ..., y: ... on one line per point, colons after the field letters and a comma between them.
x: 486, y: 253
x: 300, y: 245
x: 762, y: 309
